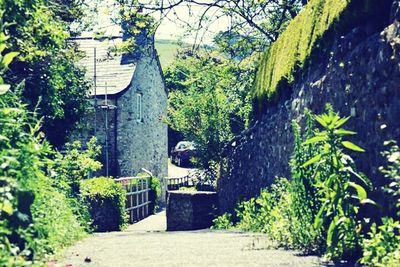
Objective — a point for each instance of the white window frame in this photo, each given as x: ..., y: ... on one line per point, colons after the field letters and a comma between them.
x: 139, y: 107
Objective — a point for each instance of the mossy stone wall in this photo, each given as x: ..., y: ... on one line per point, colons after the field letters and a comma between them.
x: 359, y: 74
x: 314, y: 26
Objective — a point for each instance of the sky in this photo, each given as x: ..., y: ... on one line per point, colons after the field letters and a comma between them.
x: 170, y: 27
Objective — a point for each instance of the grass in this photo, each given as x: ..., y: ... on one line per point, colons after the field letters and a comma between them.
x: 167, y: 50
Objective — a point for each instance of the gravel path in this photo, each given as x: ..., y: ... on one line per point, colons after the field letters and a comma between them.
x: 148, y: 244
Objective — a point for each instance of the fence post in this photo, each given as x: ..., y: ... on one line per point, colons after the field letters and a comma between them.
x: 147, y: 195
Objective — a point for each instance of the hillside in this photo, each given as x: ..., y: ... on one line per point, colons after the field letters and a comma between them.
x: 166, y: 50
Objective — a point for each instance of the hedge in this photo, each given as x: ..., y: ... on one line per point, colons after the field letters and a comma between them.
x: 293, y: 49
x: 106, y: 201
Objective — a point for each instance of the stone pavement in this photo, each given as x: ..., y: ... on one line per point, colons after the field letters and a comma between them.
x: 146, y: 243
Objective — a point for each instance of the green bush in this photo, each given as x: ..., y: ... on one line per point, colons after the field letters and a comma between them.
x: 106, y: 201
x: 305, y: 201
x: 382, y: 249
x: 35, y: 218
x: 222, y: 222
x: 270, y: 213
x: 70, y: 168
x: 392, y: 175
x: 318, y: 210
x: 383, y: 246
x: 341, y: 189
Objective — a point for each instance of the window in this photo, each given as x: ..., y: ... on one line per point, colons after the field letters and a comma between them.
x: 139, y: 107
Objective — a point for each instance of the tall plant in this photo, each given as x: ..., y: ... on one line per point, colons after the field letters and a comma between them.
x: 341, y: 188
x: 305, y: 201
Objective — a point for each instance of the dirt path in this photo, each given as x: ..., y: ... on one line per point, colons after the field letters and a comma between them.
x: 148, y: 244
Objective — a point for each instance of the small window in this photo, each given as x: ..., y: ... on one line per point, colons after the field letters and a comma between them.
x: 139, y: 107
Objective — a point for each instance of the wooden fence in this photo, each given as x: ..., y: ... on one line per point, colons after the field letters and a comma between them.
x: 137, y: 196
x: 174, y: 183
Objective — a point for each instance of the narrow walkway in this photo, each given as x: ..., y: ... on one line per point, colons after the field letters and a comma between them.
x: 148, y: 244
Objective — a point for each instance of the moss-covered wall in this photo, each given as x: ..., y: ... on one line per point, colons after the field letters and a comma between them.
x: 359, y: 74
x: 305, y: 34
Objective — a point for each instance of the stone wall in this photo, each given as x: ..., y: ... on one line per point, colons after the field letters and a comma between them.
x: 190, y: 210
x: 359, y: 72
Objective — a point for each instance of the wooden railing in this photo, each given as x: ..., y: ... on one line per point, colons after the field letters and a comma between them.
x: 137, y: 196
x: 174, y: 183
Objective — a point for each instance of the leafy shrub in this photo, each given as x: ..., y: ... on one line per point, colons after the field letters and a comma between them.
x: 222, y: 222
x: 41, y: 221
x: 154, y: 194
x: 392, y: 173
x: 305, y: 201
x: 70, y: 168
x: 318, y: 210
x: 341, y: 189
x: 383, y: 247
x: 276, y: 215
x: 76, y: 164
x: 270, y: 213
x: 106, y: 201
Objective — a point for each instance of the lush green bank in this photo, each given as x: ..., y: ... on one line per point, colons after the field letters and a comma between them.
x: 325, y: 208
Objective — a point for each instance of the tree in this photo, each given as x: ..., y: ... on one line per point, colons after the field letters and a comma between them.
x: 52, y: 85
x: 209, y: 101
x: 253, y: 23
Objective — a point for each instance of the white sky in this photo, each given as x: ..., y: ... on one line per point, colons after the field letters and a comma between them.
x: 171, y: 28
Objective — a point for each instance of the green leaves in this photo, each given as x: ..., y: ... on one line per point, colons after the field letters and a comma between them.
x: 8, y: 58
x: 4, y: 88
x: 316, y: 139
x: 362, y: 194
x: 313, y: 160
x: 334, y: 174
x: 352, y: 146
x: 344, y: 132
x: 209, y: 102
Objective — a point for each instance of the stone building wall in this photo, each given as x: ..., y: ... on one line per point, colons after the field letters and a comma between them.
x: 359, y: 71
x: 143, y: 144
x: 132, y: 144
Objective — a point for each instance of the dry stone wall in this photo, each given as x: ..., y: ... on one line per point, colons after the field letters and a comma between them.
x: 359, y: 74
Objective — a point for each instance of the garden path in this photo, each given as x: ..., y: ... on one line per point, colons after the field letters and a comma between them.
x: 146, y: 243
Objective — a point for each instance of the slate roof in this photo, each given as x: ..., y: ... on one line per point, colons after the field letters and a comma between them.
x: 116, y: 71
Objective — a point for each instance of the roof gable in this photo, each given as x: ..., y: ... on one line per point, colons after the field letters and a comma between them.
x: 113, y: 73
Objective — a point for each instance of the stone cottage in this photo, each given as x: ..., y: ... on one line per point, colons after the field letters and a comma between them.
x: 129, y: 101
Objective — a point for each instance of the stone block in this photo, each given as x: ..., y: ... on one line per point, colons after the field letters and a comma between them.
x: 187, y: 210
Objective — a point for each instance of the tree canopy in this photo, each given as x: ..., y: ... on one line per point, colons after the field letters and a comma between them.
x: 49, y: 81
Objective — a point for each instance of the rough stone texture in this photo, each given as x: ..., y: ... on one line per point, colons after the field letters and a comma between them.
x: 143, y: 144
x: 133, y: 144
x: 190, y: 210
x: 358, y: 71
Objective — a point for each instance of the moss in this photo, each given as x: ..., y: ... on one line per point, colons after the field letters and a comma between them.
x: 306, y: 32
